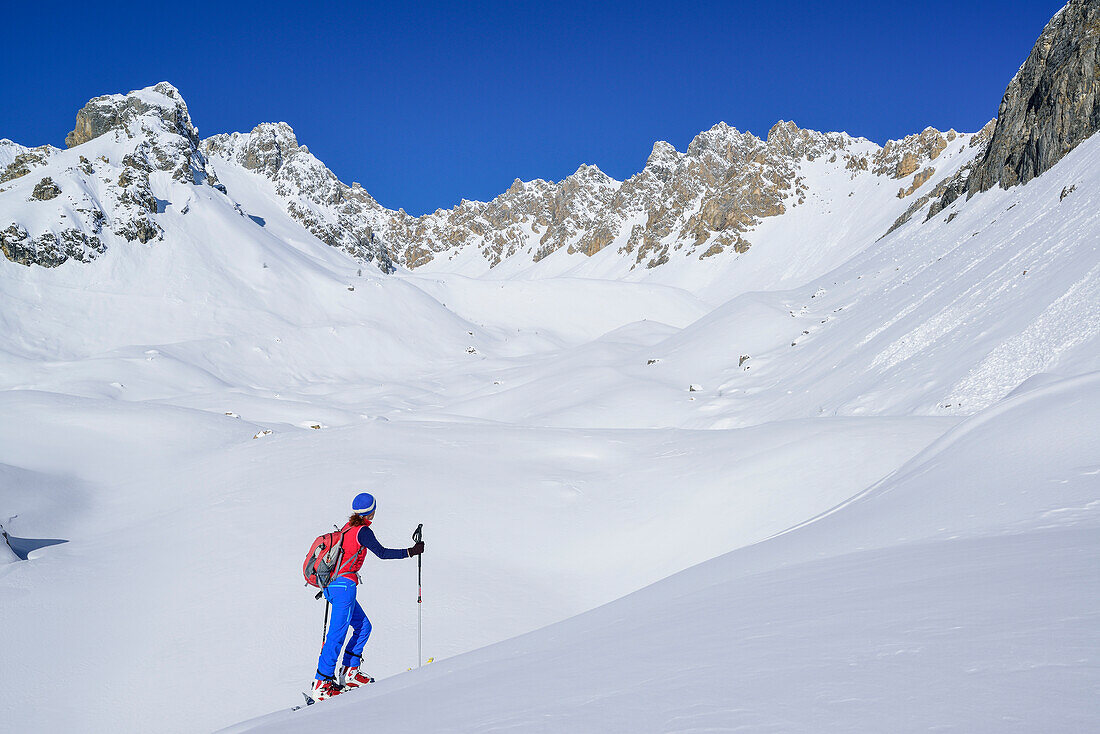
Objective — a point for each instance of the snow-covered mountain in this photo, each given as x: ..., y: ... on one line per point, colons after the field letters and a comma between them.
x: 71, y: 204
x: 839, y: 475
x: 708, y: 204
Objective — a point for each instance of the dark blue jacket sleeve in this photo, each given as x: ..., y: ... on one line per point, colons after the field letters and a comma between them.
x: 367, y: 540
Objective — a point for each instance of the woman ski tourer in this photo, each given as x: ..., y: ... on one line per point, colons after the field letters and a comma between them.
x: 356, y: 538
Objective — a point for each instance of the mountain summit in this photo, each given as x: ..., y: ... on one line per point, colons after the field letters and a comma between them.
x: 77, y: 201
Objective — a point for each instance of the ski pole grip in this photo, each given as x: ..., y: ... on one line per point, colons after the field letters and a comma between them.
x: 418, y: 533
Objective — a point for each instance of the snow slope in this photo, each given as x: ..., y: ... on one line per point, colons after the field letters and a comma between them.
x: 957, y: 594
x: 189, y: 413
x: 525, y: 526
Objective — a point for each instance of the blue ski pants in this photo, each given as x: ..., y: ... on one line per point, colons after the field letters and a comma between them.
x: 346, y: 612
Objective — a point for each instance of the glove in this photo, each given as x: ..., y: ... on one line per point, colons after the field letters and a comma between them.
x: 416, y: 549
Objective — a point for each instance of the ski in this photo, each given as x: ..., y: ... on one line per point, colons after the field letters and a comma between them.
x: 309, y: 702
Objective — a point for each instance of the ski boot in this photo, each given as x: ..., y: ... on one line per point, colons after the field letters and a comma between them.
x: 324, y: 688
x: 353, y: 677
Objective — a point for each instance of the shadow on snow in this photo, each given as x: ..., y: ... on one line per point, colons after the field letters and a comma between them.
x: 23, y: 547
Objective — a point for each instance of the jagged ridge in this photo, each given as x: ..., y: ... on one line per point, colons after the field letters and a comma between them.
x: 700, y: 203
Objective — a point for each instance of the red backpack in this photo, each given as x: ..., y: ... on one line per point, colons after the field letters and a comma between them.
x: 323, y: 560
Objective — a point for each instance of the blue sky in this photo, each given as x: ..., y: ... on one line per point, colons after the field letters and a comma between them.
x: 426, y: 104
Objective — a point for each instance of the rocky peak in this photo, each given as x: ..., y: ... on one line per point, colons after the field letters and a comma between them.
x: 515, y: 189
x: 663, y: 153
x: 270, y: 145
x: 586, y: 176
x: 155, y: 127
x: 101, y: 189
x: 120, y: 112
x: 723, y: 141
x: 785, y: 135
x: 662, y: 159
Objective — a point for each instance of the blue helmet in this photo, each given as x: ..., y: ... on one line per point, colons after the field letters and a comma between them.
x: 363, y: 504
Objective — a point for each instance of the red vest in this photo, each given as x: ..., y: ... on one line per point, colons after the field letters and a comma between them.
x: 353, y: 553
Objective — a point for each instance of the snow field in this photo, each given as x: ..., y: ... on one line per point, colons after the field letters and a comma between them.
x: 558, y: 521
x: 902, y: 610
x: 921, y: 410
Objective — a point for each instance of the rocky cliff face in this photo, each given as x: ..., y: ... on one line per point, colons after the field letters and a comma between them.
x: 1049, y: 107
x: 64, y: 205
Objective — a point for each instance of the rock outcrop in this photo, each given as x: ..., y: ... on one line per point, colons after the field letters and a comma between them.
x: 1049, y: 107
x: 50, y: 249
x: 25, y: 160
x: 45, y: 190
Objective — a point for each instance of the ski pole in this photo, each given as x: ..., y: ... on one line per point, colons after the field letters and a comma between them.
x: 324, y: 627
x: 418, y: 535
